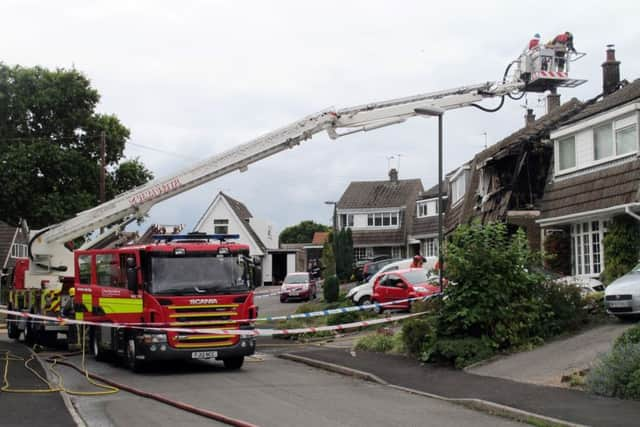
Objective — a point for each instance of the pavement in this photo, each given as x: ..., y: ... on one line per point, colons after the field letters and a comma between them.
x: 547, y: 364
x: 35, y: 409
x: 569, y: 406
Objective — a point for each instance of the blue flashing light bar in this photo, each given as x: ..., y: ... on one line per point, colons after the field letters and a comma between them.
x: 195, y: 236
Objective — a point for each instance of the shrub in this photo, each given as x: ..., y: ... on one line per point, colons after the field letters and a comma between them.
x: 564, y: 308
x: 460, y: 352
x: 617, y: 374
x: 375, y: 342
x: 331, y: 289
x: 630, y: 336
x: 431, y: 305
x: 415, y: 332
x: 496, y: 293
x: 558, y: 247
x: 594, y: 304
x: 341, y: 318
x: 621, y: 247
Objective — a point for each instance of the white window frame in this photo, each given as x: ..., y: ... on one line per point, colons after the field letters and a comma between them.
x: 396, y: 252
x: 346, y: 220
x: 430, y: 247
x: 560, y: 141
x: 220, y: 223
x: 19, y: 250
x: 426, y: 208
x: 378, y: 219
x: 458, y: 188
x: 587, y: 249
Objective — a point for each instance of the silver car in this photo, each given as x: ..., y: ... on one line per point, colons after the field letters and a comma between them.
x: 622, y: 296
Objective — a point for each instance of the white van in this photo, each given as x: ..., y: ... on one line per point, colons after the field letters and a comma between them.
x: 362, y: 294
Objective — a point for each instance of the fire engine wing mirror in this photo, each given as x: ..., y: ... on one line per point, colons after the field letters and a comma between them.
x: 132, y: 275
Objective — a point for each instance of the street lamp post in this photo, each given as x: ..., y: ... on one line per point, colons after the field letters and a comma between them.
x: 436, y: 111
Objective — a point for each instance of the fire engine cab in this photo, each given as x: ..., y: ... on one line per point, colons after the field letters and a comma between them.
x: 182, y: 281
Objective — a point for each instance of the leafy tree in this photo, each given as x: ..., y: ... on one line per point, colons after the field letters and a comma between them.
x: 328, y: 258
x: 343, y: 250
x: 301, y: 233
x: 621, y: 247
x: 496, y: 295
x: 50, y: 136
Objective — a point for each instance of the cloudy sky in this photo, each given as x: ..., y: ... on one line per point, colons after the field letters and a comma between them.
x: 193, y: 78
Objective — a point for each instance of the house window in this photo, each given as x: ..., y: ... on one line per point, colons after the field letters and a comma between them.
x: 221, y: 226
x: 566, y: 153
x: 626, y: 140
x: 431, y: 247
x: 19, y: 250
x: 383, y: 219
x: 427, y: 208
x: 396, y: 252
x: 362, y: 253
x: 346, y: 220
x: 602, y: 142
x: 586, y: 248
x: 458, y: 187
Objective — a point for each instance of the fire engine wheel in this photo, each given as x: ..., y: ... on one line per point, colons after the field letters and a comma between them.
x: 132, y: 350
x: 96, y: 350
x: 29, y: 334
x: 233, y: 363
x: 12, y: 328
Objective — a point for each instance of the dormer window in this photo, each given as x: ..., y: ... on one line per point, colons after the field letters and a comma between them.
x: 427, y: 208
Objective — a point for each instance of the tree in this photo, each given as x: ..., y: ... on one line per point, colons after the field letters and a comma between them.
x: 301, y: 233
x: 343, y: 251
x: 50, y: 137
x: 328, y: 258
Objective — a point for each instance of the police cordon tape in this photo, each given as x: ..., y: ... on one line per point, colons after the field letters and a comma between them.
x: 244, y: 332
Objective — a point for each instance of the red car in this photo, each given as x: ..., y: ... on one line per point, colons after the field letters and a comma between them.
x: 402, y: 284
x: 299, y: 286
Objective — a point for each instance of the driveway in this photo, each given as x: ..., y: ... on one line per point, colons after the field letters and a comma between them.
x: 547, y: 364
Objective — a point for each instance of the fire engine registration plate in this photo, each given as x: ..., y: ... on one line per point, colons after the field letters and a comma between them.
x: 204, y: 354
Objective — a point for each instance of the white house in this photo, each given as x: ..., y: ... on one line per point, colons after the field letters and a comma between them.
x: 226, y: 215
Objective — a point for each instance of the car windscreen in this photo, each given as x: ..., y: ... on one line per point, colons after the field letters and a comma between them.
x: 185, y: 275
x: 296, y: 279
x: 416, y: 277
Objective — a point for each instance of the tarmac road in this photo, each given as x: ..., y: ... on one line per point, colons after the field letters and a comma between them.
x: 267, y: 392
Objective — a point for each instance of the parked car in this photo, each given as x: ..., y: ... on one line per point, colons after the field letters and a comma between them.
x: 358, y: 266
x: 362, y: 294
x: 622, y: 296
x: 402, y: 284
x: 299, y: 286
x: 373, y: 267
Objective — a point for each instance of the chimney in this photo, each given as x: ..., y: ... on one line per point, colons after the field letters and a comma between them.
x: 529, y: 118
x: 610, y: 72
x: 553, y: 100
x: 393, y: 175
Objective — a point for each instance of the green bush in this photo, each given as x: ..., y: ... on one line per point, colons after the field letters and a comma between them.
x: 431, y: 305
x: 558, y: 247
x: 621, y: 247
x: 630, y: 336
x: 617, y: 374
x: 342, y: 318
x: 376, y: 342
x: 563, y: 309
x: 331, y: 289
x: 594, y: 304
x: 496, y: 293
x: 460, y: 352
x: 415, y: 332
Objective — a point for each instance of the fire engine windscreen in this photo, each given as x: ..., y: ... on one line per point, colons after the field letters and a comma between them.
x: 197, y: 275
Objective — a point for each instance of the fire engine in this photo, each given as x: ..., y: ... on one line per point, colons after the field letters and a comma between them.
x: 192, y: 280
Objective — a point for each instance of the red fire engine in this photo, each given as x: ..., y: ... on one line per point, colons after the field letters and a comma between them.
x: 183, y: 281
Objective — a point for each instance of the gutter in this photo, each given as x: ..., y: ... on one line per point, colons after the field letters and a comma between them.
x: 567, y: 218
x: 628, y: 211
